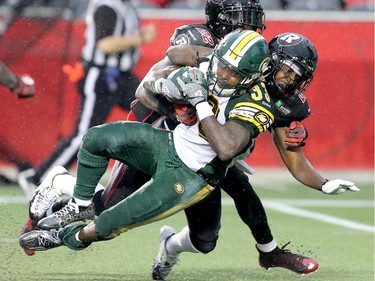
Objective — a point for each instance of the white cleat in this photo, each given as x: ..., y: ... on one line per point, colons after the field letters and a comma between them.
x: 164, y: 263
x: 46, y: 194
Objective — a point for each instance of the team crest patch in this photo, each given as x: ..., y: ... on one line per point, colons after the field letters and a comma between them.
x: 262, y: 118
x: 179, y: 187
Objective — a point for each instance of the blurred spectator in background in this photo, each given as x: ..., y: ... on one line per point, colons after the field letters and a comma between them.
x: 113, y: 37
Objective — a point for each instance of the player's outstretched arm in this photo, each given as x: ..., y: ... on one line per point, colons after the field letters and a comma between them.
x: 300, y: 167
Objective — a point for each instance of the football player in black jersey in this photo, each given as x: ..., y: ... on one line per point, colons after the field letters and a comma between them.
x: 292, y: 65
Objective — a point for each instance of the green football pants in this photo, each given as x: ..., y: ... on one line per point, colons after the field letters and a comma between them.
x: 172, y: 188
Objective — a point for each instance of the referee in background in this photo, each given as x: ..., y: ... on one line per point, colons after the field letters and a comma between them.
x: 113, y: 38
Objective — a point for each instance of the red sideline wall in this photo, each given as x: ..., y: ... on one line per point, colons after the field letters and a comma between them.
x: 341, y: 127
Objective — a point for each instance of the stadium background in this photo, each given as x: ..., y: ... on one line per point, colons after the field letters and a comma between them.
x: 341, y: 126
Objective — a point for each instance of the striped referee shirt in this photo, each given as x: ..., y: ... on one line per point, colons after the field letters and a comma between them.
x: 106, y: 18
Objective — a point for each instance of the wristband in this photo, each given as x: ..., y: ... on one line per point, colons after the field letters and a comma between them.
x: 203, y: 110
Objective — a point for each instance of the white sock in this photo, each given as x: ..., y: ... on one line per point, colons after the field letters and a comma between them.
x: 266, y: 248
x: 180, y: 242
x: 83, y: 203
x: 65, y: 184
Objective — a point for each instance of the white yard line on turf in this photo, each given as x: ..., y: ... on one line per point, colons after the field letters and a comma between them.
x: 285, y: 206
x: 298, y: 212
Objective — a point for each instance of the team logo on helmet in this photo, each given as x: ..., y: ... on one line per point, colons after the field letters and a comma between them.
x: 289, y: 39
x: 179, y: 187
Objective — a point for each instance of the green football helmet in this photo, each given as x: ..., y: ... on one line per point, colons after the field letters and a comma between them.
x: 237, y: 62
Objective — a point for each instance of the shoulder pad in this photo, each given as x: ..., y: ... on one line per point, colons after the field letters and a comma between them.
x: 193, y: 34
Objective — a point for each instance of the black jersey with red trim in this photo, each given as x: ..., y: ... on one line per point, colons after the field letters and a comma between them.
x: 194, y: 34
x: 289, y: 109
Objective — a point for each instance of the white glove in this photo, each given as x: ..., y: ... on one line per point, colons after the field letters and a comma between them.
x: 193, y: 85
x: 169, y: 89
x: 335, y: 187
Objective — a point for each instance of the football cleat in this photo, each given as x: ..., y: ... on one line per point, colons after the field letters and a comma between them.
x: 40, y: 240
x: 163, y: 263
x: 71, y: 212
x: 29, y: 226
x: 286, y: 259
x: 26, y: 183
x: 46, y: 194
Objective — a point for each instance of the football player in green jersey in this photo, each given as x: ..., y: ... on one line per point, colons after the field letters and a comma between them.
x: 232, y: 112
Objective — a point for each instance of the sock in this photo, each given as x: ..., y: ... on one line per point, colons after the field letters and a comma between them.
x: 82, y: 203
x: 64, y: 184
x: 266, y: 248
x: 68, y: 236
x: 180, y: 242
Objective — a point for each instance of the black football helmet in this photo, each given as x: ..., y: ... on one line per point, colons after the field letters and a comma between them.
x: 224, y: 16
x: 297, y: 52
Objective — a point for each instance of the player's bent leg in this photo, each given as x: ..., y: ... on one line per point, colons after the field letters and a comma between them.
x: 91, y: 167
x: 204, y: 221
x: 286, y: 259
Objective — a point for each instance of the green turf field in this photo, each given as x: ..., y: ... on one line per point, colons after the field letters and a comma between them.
x: 337, y: 231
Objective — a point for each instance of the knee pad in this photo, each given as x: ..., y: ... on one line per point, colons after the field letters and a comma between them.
x: 203, y: 246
